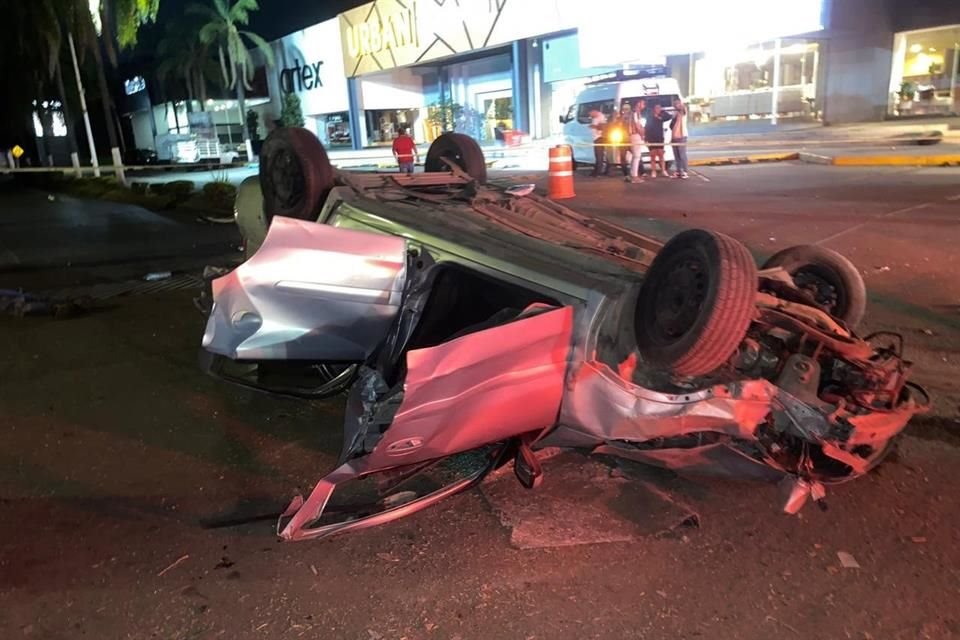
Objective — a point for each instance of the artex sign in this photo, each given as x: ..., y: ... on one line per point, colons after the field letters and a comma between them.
x: 301, y: 78
x: 310, y: 64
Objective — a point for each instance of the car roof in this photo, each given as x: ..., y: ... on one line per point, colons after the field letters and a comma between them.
x: 629, y: 89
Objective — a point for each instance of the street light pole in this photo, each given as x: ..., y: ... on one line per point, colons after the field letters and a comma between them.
x: 83, y: 106
x: 775, y: 107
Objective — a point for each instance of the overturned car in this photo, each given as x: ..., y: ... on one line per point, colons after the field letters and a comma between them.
x: 465, y: 319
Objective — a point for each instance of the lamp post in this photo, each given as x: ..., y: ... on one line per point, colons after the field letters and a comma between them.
x: 83, y: 106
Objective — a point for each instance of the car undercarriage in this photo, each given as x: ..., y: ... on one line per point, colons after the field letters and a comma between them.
x: 467, y: 322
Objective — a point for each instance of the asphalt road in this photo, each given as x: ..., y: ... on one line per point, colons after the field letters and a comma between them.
x: 114, y: 449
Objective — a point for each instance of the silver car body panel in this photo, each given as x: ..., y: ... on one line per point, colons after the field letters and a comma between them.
x: 311, y: 292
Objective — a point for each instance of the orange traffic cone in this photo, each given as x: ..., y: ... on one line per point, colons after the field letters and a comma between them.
x: 561, y: 172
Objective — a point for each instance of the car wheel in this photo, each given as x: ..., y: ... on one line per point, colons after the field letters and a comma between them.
x: 295, y: 174
x: 696, y: 303
x: 836, y: 285
x: 462, y: 150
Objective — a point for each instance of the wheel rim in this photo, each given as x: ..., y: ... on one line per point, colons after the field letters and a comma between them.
x: 824, y: 289
x: 286, y: 176
x: 679, y: 297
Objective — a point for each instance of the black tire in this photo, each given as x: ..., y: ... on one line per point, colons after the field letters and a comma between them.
x: 696, y: 303
x: 295, y: 174
x: 462, y: 150
x: 834, y: 281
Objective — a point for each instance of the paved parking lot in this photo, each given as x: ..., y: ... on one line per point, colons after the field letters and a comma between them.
x: 115, y: 450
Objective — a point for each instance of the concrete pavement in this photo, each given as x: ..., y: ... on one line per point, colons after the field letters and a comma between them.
x: 115, y: 451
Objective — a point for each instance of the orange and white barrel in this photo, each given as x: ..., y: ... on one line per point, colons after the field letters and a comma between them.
x: 561, y: 172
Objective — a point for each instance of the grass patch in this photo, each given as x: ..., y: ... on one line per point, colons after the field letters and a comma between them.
x: 215, y: 198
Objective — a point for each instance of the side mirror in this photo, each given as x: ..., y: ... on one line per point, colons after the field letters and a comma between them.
x: 563, y: 120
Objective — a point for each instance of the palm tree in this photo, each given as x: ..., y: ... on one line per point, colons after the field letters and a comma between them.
x: 182, y: 55
x: 120, y: 21
x: 223, y: 29
x: 46, y: 22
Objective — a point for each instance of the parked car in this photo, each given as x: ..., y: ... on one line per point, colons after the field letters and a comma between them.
x: 474, y: 325
x: 137, y: 157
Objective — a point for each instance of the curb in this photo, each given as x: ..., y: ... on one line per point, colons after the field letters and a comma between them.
x: 886, y: 160
x: 751, y: 159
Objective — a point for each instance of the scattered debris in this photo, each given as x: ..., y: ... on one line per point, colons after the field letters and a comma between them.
x: 157, y: 275
x: 783, y: 624
x: 176, y: 563
x: 847, y: 561
x: 918, y: 539
x: 929, y: 332
x: 881, y: 269
x: 21, y: 304
x: 51, y: 197
x: 313, y: 569
x: 389, y: 557
x: 521, y: 190
x: 225, y: 563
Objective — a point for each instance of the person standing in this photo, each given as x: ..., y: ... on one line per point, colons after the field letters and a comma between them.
x: 679, y: 133
x: 636, y: 134
x: 653, y: 132
x: 598, y: 123
x: 405, y: 151
x: 618, y: 136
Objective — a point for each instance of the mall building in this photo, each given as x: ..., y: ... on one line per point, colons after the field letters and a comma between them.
x: 486, y: 66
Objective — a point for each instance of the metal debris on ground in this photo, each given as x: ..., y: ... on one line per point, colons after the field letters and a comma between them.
x: 847, y: 561
x: 21, y: 304
x: 157, y: 275
x: 175, y: 564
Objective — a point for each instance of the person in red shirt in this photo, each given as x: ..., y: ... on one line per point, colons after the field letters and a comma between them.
x: 405, y: 151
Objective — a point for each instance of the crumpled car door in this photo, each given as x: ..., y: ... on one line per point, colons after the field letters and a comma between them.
x: 482, y: 388
x: 311, y: 294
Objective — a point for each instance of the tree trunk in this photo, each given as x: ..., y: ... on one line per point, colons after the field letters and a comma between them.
x: 67, y: 116
x: 188, y: 82
x: 45, y: 147
x: 242, y: 103
x: 201, y: 85
x: 105, y: 96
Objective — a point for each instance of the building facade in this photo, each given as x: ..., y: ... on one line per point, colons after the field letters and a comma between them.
x: 488, y: 66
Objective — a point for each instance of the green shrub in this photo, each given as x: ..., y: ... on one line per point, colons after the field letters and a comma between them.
x: 139, y: 187
x: 177, y: 189
x: 220, y: 191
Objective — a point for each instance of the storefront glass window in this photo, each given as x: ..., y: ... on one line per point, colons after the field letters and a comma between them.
x: 384, y: 125
x: 333, y: 129
x: 925, y: 77
x: 740, y: 84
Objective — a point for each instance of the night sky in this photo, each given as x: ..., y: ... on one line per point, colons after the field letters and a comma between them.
x: 276, y: 18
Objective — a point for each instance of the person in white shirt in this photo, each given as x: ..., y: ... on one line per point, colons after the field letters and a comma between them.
x: 598, y: 123
x: 635, y: 130
x: 679, y: 134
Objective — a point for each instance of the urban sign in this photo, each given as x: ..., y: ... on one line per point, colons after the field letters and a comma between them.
x: 386, y: 34
x: 375, y: 34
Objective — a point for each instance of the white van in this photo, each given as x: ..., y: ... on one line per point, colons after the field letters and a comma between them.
x: 608, y: 96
